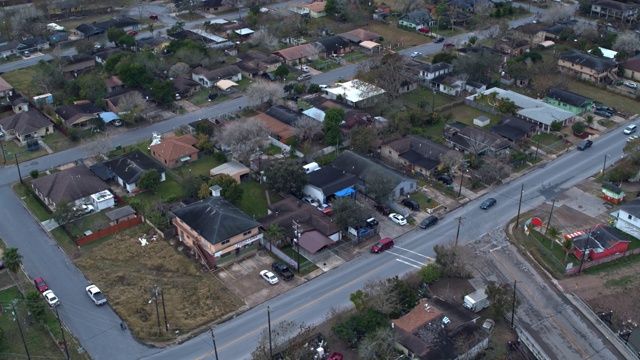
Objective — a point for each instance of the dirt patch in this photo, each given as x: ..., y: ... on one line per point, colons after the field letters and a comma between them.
x: 127, y: 273
x: 451, y: 290
x: 601, y: 291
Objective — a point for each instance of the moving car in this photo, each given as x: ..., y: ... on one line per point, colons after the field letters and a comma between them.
x: 40, y: 284
x: 416, y: 54
x: 306, y: 76
x: 283, y: 270
x: 630, y: 129
x: 383, y: 209
x: 584, y: 145
x: 269, y: 277
x: 382, y: 245
x: 411, y: 204
x: 398, y: 219
x: 96, y: 295
x: 429, y: 221
x: 51, y: 298
x: 488, y: 203
x: 439, y: 39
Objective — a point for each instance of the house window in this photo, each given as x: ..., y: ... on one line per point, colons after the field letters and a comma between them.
x: 225, y: 242
x: 389, y: 152
x: 246, y: 233
x: 630, y: 217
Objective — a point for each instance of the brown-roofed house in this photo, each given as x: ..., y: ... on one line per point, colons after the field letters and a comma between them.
x: 421, y: 315
x: 26, y: 125
x: 69, y: 185
x: 632, y: 68
x: 316, y: 9
x: 359, y: 35
x: 298, y: 54
x: 253, y: 63
x: 113, y: 83
x: 113, y: 99
x: 77, y: 64
x: 186, y: 87
x: 234, y: 169
x: 175, y: 151
x: 277, y: 129
x: 6, y: 89
x: 78, y: 114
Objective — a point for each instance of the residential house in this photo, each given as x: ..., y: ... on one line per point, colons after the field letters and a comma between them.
x: 428, y: 72
x: 415, y: 154
x: 103, y: 55
x: 298, y: 54
x: 175, y: 151
x: 474, y: 140
x: 113, y: 83
x: 283, y: 114
x: 365, y: 167
x: 277, y: 129
x: 632, y: 68
x: 435, y: 329
x: 87, y: 30
x: 98, y: 28
x: 588, y: 67
x: 613, y: 193
x: 77, y: 115
x: 74, y: 185
x: 328, y: 182
x: 154, y: 43
x: 33, y: 44
x: 77, y: 64
x: 234, y: 169
x: 203, y: 37
x: 598, y: 242
x: 244, y: 34
x: 333, y: 45
x: 185, y: 87
x: 458, y: 17
x: 26, y: 125
x: 569, y: 101
x: 356, y: 93
x: 115, y: 97
x: 8, y: 48
x: 534, y: 33
x: 300, y: 9
x: 215, y: 228
x: 255, y: 63
x: 615, y: 10
x: 466, y: 5
x: 315, y: 231
x: 474, y: 87
x: 359, y: 35
x: 513, y: 129
x: 513, y: 46
x: 380, y: 16
x: 66, y: 7
x: 6, y: 89
x: 627, y: 218
x: 450, y: 85
x: 316, y: 9
x: 554, y: 31
x: 417, y: 20
x: 18, y: 103
x: 214, y: 5
x: 128, y: 168
x: 315, y: 114
x: 384, y: 8
x: 209, y: 78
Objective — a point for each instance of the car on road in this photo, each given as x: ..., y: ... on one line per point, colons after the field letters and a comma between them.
x: 153, y: 17
x: 585, y: 144
x: 424, y: 30
x: 630, y: 84
x: 132, y: 32
x: 411, y: 204
x: 96, y: 295
x: 283, y: 270
x: 270, y: 277
x: 488, y: 203
x: 630, y: 129
x: 429, y: 221
x: 40, y: 284
x: 384, y: 209
x: 438, y: 39
x: 51, y: 298
x: 415, y: 54
x: 445, y: 179
x: 382, y: 245
x: 305, y: 76
x: 398, y: 219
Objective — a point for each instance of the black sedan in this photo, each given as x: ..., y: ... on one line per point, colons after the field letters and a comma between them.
x: 488, y: 203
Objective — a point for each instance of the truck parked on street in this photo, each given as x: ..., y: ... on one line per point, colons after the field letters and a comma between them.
x: 476, y: 301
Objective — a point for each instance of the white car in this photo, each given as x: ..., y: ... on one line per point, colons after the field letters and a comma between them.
x: 398, y: 219
x: 269, y: 276
x: 630, y: 84
x: 51, y: 298
x: 323, y: 206
x: 632, y: 137
x: 416, y: 54
x: 305, y: 69
x: 83, y: 209
x: 311, y: 201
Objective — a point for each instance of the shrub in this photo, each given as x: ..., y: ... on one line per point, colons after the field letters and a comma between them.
x: 34, y: 174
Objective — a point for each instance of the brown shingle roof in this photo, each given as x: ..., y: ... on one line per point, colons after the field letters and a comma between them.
x: 174, y: 148
x: 309, y: 218
x: 4, y: 85
x: 113, y: 81
x: 297, y: 52
x: 417, y: 318
x: 25, y: 122
x: 359, y: 35
x: 69, y: 184
x: 276, y: 126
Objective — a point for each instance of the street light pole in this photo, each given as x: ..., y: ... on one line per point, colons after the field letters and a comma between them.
x: 513, y: 305
x: 215, y: 349
x: 461, y: 178
x: 535, y: 157
x: 433, y: 101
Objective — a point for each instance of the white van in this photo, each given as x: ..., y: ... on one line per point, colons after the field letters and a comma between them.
x: 630, y: 129
x: 311, y: 167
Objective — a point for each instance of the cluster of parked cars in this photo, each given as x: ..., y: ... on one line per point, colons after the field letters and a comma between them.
x: 604, y: 111
x: 280, y: 268
x: 49, y: 296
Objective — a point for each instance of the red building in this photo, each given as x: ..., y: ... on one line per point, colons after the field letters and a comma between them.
x: 600, y: 242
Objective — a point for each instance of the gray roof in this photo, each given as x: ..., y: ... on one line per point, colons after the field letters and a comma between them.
x: 588, y: 60
x: 283, y: 114
x: 513, y: 128
x: 331, y: 44
x: 129, y: 167
x: 26, y: 122
x: 218, y: 74
x: 120, y: 213
x: 432, y: 68
x: 331, y: 180
x: 632, y: 207
x: 569, y: 97
x: 69, y: 184
x: 418, y: 17
x: 215, y: 219
x: 363, y: 166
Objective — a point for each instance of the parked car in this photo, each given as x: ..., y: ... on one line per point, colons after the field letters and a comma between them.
x: 585, y: 144
x: 132, y: 32
x: 283, y: 270
x: 335, y: 356
x: 153, y: 17
x: 630, y: 84
x: 363, y: 232
x: 40, y: 284
x: 411, y: 204
x: 383, y: 209
x: 51, y: 298
x: 415, y: 54
x: 322, y: 207
x: 429, y: 221
x: 83, y: 209
x: 424, y: 30
x: 96, y: 295
x: 398, y: 219
x: 488, y: 203
x: 117, y: 122
x: 445, y: 179
x: 305, y: 69
x: 372, y: 222
x: 306, y: 76
x: 269, y: 76
x: 382, y: 245
x: 602, y: 113
x: 328, y: 211
x: 605, y: 108
x: 26, y: 53
x: 297, y: 194
x: 269, y: 277
x: 630, y: 129
x: 311, y: 201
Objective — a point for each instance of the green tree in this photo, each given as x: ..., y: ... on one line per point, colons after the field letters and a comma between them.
x: 114, y: 60
x: 589, y: 119
x: 162, y: 92
x: 331, y: 7
x: 133, y: 74
x: 88, y: 88
x: 127, y: 41
x: 553, y: 234
x: 275, y: 233
x: 331, y: 126
x: 379, y: 185
x: 231, y: 190
x: 430, y: 273
x: 64, y: 213
x: 444, y: 56
x: 177, y: 27
x: 362, y: 138
x: 34, y: 174
x: 285, y: 175
x: 555, y: 125
x: 12, y: 261
x: 204, y: 192
x: 507, y: 106
x: 450, y: 262
x: 347, y: 212
x: 567, y: 244
x: 578, y: 127
x: 281, y: 71
x: 149, y: 180
x: 36, y: 306
x: 114, y: 34
x: 500, y: 298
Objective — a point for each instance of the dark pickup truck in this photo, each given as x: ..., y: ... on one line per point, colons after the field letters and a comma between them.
x: 283, y: 270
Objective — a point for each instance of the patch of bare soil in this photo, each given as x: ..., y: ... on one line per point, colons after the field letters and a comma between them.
x: 452, y: 290
x: 617, y: 291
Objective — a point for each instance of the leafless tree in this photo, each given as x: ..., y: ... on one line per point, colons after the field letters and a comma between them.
x: 179, y: 69
x: 390, y: 72
x: 411, y: 5
x: 494, y: 169
x: 465, y: 341
x: 381, y: 343
x: 264, y: 40
x: 243, y: 137
x: 261, y: 91
x: 236, y: 4
x: 627, y: 41
x: 451, y: 159
x: 27, y: 21
x: 545, y: 74
x: 362, y: 138
x: 308, y: 128
x: 381, y: 296
x: 558, y: 13
x: 131, y: 102
x: 191, y: 56
x: 287, y: 338
x: 100, y: 146
x: 586, y: 30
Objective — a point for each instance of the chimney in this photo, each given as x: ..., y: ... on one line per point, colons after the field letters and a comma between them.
x: 215, y: 190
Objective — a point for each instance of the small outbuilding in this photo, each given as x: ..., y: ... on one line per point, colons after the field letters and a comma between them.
x: 232, y: 168
x: 613, y: 193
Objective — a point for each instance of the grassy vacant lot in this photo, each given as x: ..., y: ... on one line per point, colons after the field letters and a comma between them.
x: 127, y: 272
x: 466, y: 114
x: 254, y: 200
x: 21, y: 79
x: 539, y: 247
x: 621, y: 103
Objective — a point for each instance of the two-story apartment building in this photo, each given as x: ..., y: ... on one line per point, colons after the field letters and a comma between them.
x: 610, y: 9
x: 588, y: 67
x: 627, y: 218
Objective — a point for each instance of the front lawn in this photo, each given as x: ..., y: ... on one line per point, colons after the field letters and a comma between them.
x: 466, y: 114
x: 254, y: 199
x: 414, y: 98
x: 201, y: 167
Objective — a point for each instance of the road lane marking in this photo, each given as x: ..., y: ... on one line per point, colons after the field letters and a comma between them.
x: 406, y: 257
x: 413, y: 252
x: 584, y: 353
x: 405, y: 262
x: 291, y: 312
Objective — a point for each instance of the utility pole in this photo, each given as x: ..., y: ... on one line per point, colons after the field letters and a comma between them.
x: 549, y: 222
x: 164, y: 311
x: 3, y: 155
x: 461, y: 178
x: 585, y: 252
x: 215, y: 349
x: 269, y: 320
x: 64, y: 341
x: 296, y: 240
x: 603, y: 166
x: 519, y: 206
x: 458, y: 231
x: 18, y: 166
x: 513, y: 305
x: 535, y: 157
x: 21, y: 333
x: 155, y: 295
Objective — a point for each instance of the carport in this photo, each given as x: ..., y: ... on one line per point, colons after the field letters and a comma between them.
x: 313, y: 241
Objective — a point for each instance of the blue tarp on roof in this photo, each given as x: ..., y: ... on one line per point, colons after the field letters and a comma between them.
x: 346, y: 192
x: 108, y: 117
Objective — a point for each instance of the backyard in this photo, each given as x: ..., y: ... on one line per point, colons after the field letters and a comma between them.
x: 127, y: 273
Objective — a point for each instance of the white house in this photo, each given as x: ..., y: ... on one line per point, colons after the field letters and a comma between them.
x: 627, y: 218
x: 355, y: 93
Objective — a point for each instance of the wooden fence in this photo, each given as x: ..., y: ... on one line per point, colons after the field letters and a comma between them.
x: 99, y: 234
x: 574, y: 270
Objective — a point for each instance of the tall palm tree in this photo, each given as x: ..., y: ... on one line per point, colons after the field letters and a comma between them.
x: 553, y: 233
x: 568, y: 246
x: 12, y: 261
x: 275, y: 233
